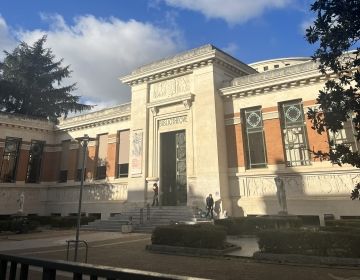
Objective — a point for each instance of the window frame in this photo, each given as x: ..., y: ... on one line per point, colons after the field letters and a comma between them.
x: 252, y: 129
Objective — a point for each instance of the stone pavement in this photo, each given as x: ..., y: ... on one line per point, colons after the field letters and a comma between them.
x: 128, y: 251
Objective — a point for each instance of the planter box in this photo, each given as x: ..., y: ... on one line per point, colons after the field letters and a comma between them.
x: 126, y: 228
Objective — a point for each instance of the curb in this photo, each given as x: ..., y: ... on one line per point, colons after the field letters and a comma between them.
x: 188, y: 251
x: 304, y: 259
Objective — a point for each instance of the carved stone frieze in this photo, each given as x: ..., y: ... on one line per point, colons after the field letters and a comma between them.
x: 169, y: 88
x: 297, y: 185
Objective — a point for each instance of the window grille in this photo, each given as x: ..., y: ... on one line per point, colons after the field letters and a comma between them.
x: 63, y: 176
x: 294, y: 134
x: 345, y: 136
x: 10, y: 159
x: 101, y: 172
x: 78, y: 174
x: 34, y: 164
x: 255, y: 144
x: 122, y: 170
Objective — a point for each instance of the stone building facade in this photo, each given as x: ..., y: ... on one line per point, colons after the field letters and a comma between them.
x: 199, y: 122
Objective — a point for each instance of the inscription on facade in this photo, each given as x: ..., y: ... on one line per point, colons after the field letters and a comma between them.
x: 173, y: 121
x: 170, y: 88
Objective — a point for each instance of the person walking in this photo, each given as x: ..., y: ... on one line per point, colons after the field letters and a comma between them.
x: 156, y: 195
x: 210, y: 206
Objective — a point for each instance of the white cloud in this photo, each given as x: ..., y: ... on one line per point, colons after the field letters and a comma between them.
x: 100, y: 50
x: 306, y: 24
x: 7, y: 41
x: 231, y: 48
x: 232, y: 11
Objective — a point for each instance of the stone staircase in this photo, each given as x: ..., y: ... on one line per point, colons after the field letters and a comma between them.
x: 149, y: 219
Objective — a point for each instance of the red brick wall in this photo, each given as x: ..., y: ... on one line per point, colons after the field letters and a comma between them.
x: 273, y: 140
x: 72, y: 164
x: 111, y: 160
x: 235, y: 148
x: 50, y: 167
x: 22, y: 165
x: 317, y: 142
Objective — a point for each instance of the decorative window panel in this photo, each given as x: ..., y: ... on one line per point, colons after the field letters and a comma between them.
x: 35, y: 158
x: 254, y: 140
x: 345, y: 136
x: 294, y: 134
x: 10, y: 159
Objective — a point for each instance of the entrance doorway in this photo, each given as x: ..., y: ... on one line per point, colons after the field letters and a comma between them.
x: 173, y: 168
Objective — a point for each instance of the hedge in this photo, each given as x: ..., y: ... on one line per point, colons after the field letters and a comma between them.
x: 317, y: 243
x: 23, y: 224
x: 340, y: 229
x: 251, y: 225
x: 344, y: 223
x: 18, y: 224
x: 60, y: 222
x: 196, y: 236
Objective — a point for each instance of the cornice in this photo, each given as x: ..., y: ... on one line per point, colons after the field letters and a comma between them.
x: 23, y: 122
x: 185, y: 63
x: 103, y: 117
x: 274, y: 80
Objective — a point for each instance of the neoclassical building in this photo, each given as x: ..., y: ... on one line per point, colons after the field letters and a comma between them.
x: 199, y: 122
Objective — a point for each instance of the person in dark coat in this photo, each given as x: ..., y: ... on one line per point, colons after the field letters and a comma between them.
x: 210, y: 206
x: 156, y: 195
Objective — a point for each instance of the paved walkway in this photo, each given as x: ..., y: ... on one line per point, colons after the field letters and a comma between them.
x: 52, y: 238
x: 128, y: 251
x: 248, y: 246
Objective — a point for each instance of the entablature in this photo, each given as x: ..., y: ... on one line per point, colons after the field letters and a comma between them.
x: 185, y: 63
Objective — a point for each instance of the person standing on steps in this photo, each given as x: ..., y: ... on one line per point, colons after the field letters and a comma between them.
x: 210, y: 206
x: 156, y: 195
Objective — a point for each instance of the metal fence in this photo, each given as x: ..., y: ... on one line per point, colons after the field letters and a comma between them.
x: 78, y: 270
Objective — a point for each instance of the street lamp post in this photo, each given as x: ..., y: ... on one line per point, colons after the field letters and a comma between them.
x: 84, y: 141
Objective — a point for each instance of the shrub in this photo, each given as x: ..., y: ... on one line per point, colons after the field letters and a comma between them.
x: 197, y: 236
x: 5, y: 225
x: 251, y: 225
x: 317, y: 243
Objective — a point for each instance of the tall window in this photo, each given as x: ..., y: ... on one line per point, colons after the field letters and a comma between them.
x: 102, y: 157
x: 345, y: 136
x: 123, y: 155
x: 10, y: 159
x: 34, y: 165
x: 64, y: 161
x: 254, y: 140
x: 294, y: 133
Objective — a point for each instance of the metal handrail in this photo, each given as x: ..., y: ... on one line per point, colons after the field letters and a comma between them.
x: 50, y: 267
x: 77, y: 241
x: 141, y: 216
x: 148, y: 212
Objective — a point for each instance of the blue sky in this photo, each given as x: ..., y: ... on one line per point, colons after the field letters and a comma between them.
x: 103, y: 40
